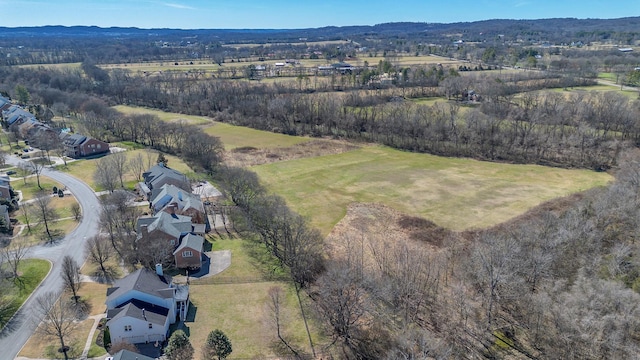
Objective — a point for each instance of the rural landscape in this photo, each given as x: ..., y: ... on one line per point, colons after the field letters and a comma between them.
x: 396, y: 191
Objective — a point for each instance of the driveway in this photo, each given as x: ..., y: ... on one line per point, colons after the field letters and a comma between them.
x: 20, y: 328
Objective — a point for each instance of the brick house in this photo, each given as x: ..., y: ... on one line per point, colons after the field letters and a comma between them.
x: 78, y: 146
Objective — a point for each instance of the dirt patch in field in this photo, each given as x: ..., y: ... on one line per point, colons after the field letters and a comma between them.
x: 371, y: 228
x: 250, y: 156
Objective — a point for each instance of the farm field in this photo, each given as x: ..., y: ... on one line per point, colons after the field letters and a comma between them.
x: 208, y: 65
x: 455, y: 193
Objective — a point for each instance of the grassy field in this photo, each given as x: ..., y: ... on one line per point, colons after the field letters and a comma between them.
x: 30, y: 189
x: 231, y: 136
x: 164, y: 116
x: 238, y: 136
x: 239, y: 308
x: 455, y: 193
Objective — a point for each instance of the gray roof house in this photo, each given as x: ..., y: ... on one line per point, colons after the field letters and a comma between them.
x: 159, y: 175
x: 142, y: 305
x: 129, y: 355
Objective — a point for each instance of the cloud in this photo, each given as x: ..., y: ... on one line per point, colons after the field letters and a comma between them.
x: 179, y: 6
x: 521, y: 3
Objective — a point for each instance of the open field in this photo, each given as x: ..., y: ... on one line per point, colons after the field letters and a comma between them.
x: 238, y: 136
x: 454, y: 193
x: 309, y: 43
x: 210, y: 66
x: 162, y: 115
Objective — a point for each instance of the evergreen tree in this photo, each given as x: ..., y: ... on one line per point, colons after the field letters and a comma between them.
x: 179, y: 347
x: 218, y: 344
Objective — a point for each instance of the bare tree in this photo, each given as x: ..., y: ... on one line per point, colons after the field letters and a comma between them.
x: 99, y: 251
x: 71, y: 276
x: 106, y: 175
x: 24, y: 170
x: 118, y: 161
x: 26, y: 210
x: 45, y: 212
x: 137, y: 166
x: 276, y: 295
x: 76, y: 211
x: 36, y: 168
x: 13, y: 255
x: 58, y: 318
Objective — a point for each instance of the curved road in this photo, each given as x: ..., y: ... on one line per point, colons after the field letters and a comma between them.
x: 20, y: 328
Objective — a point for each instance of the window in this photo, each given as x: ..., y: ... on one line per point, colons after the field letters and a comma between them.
x: 172, y: 242
x: 127, y: 328
x: 187, y: 253
x: 150, y: 326
x: 99, y: 146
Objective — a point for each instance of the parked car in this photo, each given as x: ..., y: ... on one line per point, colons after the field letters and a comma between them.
x: 25, y: 156
x: 25, y: 149
x: 11, y: 172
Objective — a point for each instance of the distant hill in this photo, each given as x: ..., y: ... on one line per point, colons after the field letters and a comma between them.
x: 580, y: 29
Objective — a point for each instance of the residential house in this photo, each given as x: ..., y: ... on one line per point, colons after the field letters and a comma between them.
x: 174, y: 200
x: 160, y: 175
x: 129, y: 355
x: 142, y: 305
x: 164, y: 227
x: 5, y: 187
x: 189, y: 254
x: 5, y: 104
x: 78, y: 146
x: 14, y: 113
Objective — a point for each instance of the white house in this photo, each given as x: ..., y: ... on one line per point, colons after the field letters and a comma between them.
x: 142, y: 305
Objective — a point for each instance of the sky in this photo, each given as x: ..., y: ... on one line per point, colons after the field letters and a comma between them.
x: 294, y: 14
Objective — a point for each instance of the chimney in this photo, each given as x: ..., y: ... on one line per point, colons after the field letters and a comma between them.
x: 159, y: 270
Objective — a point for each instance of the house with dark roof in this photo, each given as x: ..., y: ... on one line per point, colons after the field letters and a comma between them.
x: 5, y: 104
x: 188, y: 255
x: 142, y: 305
x: 129, y: 355
x: 78, y: 146
x: 15, y: 113
x: 160, y: 175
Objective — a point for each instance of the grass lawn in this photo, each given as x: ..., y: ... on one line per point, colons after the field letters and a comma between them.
x: 43, y: 347
x: 241, y: 312
x: 240, y: 309
x: 238, y: 136
x: 38, y: 234
x: 30, y: 189
x: 31, y: 272
x: 455, y: 193
x: 40, y: 347
x: 164, y: 116
x: 95, y: 295
x: 84, y: 169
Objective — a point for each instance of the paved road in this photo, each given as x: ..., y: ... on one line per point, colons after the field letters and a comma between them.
x: 18, y: 331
